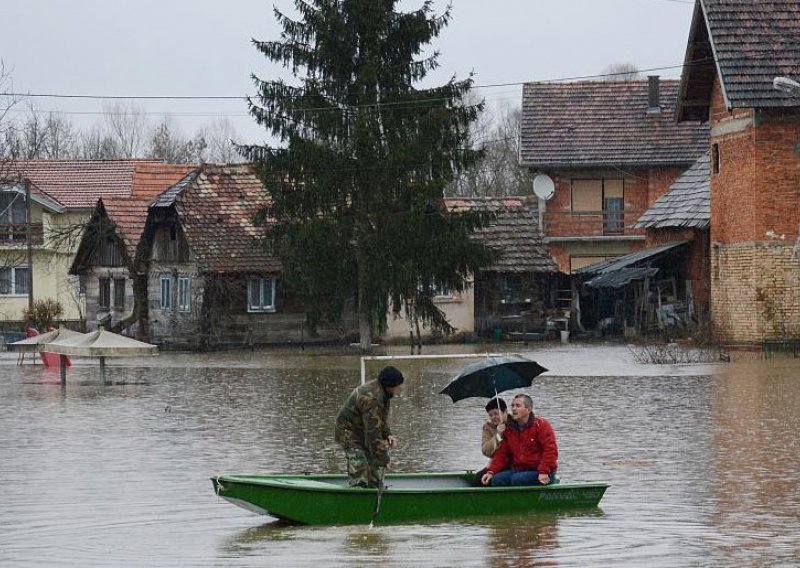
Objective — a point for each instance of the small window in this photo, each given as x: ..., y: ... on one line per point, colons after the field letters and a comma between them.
x: 119, y: 293
x: 261, y: 295
x: 443, y: 291
x: 82, y: 284
x: 166, y: 293
x: 715, y: 158
x: 184, y: 294
x: 14, y: 281
x: 104, y: 294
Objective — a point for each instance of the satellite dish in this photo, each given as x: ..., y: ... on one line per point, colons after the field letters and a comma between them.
x: 543, y: 186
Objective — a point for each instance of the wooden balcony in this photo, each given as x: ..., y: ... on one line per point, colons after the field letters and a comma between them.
x: 19, y: 233
x: 581, y: 224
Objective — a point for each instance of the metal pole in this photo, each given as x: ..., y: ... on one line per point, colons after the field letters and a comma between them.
x: 28, y: 237
x: 103, y: 370
x: 62, y: 360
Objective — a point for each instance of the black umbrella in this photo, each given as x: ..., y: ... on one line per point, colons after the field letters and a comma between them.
x: 493, y: 375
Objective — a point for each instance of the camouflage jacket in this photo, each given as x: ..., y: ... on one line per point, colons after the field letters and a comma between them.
x: 362, y: 422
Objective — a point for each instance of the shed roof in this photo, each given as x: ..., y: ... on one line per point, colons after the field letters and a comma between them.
x: 605, y: 123
x: 217, y: 205
x: 515, y: 234
x: 686, y: 204
x: 629, y: 260
x: 747, y: 44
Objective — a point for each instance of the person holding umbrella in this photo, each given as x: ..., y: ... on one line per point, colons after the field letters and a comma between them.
x: 362, y: 428
x: 493, y: 426
x: 529, y: 446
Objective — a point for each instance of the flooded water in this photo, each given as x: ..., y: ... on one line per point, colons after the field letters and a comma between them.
x: 703, y: 462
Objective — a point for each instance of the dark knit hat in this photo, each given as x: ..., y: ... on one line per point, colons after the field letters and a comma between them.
x: 390, y: 376
x: 493, y: 403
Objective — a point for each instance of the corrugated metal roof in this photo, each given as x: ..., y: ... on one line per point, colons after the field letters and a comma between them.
x: 686, y: 204
x: 628, y: 260
x: 621, y: 277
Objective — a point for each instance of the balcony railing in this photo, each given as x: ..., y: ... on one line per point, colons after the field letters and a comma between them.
x: 18, y: 233
x: 591, y: 223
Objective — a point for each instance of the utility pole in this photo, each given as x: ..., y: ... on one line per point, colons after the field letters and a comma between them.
x: 28, y: 237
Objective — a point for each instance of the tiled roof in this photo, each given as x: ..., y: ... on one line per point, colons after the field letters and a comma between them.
x: 605, y: 123
x: 515, y: 234
x: 80, y: 183
x: 216, y: 208
x: 753, y: 42
x: 686, y: 204
x: 129, y: 214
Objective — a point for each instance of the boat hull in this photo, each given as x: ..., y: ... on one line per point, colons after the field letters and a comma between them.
x: 327, y: 500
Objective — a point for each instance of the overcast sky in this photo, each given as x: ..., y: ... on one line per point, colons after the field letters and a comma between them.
x: 202, y: 48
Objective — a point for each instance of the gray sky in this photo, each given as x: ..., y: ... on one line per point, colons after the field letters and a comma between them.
x: 202, y: 47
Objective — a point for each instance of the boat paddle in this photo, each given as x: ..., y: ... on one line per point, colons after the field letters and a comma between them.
x: 378, y: 498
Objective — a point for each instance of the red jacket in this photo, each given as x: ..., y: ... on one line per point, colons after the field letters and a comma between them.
x: 531, y: 446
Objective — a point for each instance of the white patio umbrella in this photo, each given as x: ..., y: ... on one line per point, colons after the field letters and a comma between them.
x: 102, y: 344
x: 34, y: 345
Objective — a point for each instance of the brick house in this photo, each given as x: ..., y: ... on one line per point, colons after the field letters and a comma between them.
x: 611, y: 148
x: 735, y: 51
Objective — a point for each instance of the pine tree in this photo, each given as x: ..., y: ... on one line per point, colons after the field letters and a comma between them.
x: 364, y: 156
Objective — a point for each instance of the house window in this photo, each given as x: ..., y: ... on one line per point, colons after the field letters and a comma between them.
x: 13, y: 216
x: 81, y: 284
x: 442, y: 291
x: 166, y: 293
x: 14, y: 281
x: 601, y: 195
x: 104, y: 294
x: 184, y: 294
x: 715, y: 158
x: 119, y: 293
x: 261, y: 295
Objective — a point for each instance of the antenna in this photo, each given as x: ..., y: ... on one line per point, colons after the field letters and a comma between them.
x: 543, y: 186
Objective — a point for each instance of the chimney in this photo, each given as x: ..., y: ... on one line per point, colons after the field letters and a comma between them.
x: 653, y: 94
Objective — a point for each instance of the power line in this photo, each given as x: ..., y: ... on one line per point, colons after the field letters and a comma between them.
x: 247, y: 97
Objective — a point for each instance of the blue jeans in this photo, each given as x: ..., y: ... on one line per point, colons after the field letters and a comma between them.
x: 511, y: 477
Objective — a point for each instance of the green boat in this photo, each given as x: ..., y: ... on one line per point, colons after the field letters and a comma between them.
x: 326, y: 499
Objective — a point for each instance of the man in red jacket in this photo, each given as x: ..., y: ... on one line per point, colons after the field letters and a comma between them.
x: 529, y: 447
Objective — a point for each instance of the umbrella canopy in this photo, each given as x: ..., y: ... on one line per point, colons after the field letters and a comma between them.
x: 493, y: 375
x: 33, y: 344
x: 101, y: 343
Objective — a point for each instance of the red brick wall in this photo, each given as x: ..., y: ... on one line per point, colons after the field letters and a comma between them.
x: 642, y: 188
x: 755, y: 211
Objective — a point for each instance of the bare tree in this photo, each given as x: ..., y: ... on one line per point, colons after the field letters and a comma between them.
x: 221, y: 139
x: 96, y: 144
x: 625, y: 71
x: 126, y: 125
x: 169, y: 144
x: 498, y: 173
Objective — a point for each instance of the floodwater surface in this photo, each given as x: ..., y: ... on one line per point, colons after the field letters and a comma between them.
x: 703, y: 461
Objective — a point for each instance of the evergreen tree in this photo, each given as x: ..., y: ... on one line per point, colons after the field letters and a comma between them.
x: 364, y: 156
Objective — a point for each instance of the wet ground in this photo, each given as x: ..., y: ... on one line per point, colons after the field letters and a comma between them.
x: 703, y: 461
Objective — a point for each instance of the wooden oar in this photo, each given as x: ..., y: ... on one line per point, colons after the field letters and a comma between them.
x: 378, y: 498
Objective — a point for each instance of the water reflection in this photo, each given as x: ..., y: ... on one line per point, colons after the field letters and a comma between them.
x: 702, y: 466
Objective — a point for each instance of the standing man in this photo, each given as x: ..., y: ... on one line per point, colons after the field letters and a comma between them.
x: 529, y: 447
x: 362, y: 428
